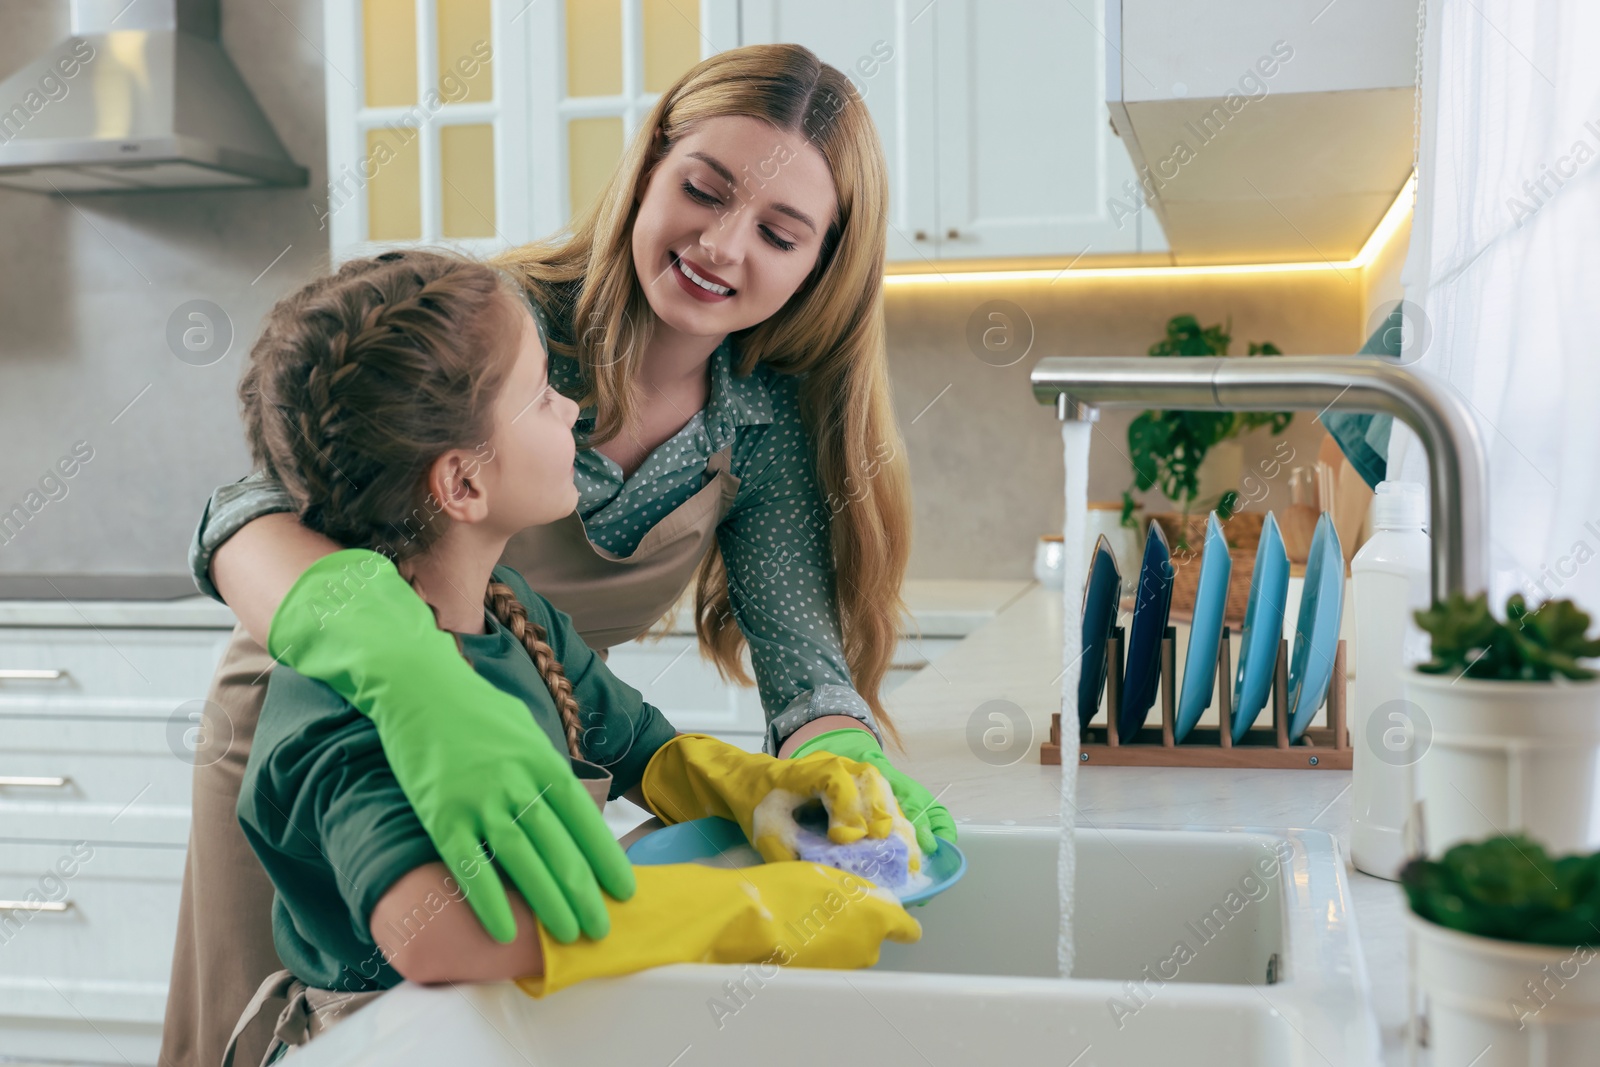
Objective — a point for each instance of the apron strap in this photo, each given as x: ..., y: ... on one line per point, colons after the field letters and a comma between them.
x: 276, y: 986
x: 308, y: 1011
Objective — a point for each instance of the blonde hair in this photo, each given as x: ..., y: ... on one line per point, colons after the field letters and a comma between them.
x: 360, y: 381
x: 831, y: 331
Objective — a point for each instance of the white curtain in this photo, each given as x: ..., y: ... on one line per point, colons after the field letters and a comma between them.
x: 1505, y: 265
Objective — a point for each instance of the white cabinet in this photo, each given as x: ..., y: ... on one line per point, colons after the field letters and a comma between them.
x: 96, y: 731
x: 993, y: 121
x: 485, y: 125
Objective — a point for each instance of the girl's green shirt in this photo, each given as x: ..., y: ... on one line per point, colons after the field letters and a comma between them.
x: 323, y: 811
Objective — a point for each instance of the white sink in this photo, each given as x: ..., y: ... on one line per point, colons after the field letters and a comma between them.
x: 980, y: 987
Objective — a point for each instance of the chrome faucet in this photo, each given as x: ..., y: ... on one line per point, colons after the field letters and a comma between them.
x: 1438, y: 415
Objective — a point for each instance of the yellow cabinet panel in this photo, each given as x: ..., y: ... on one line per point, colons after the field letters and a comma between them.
x: 394, y: 190
x: 593, y: 148
x: 466, y: 165
x: 594, y: 47
x: 466, y: 38
x: 671, y: 41
x: 389, y: 52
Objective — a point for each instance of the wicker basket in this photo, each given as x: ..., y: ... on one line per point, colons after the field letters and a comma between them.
x: 1243, y: 534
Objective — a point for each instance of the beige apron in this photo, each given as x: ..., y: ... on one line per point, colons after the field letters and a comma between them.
x: 224, y: 953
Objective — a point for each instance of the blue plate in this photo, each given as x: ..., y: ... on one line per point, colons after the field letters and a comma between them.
x: 708, y: 838
x: 1316, y: 632
x: 1263, y: 629
x: 1205, y: 630
x: 1149, y: 625
x: 1101, y: 593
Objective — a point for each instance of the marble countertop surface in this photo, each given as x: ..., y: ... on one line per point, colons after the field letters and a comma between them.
x: 973, y: 720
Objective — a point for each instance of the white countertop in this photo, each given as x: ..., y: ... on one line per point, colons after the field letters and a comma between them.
x: 938, y: 607
x: 1017, y: 658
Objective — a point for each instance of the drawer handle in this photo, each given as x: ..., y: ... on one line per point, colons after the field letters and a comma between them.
x: 17, y: 674
x: 29, y: 905
x: 908, y: 666
x: 42, y: 783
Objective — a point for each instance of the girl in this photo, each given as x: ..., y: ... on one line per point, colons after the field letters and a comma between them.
x: 412, y: 384
x: 718, y: 312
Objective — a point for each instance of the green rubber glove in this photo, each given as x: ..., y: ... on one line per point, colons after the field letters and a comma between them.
x: 470, y: 757
x: 931, y: 818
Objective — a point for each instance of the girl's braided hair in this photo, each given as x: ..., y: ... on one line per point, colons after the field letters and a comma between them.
x: 361, y: 380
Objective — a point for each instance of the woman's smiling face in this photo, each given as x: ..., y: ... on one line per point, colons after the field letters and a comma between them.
x: 741, y: 206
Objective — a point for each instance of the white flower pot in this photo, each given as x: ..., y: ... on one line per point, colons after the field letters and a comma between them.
x: 1503, y: 1003
x: 1508, y: 757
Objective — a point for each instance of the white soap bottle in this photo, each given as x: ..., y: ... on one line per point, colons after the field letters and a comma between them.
x: 1389, y: 579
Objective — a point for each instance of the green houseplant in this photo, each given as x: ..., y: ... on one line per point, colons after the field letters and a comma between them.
x: 1509, y: 889
x: 1503, y: 948
x: 1514, y: 722
x: 1532, y: 645
x: 1167, y: 447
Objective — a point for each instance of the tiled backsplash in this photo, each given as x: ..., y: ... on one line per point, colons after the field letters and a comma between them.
x: 986, y: 457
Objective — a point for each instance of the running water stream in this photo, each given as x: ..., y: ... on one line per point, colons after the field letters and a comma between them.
x: 1074, y: 562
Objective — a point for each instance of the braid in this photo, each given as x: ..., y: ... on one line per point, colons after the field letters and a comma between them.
x: 501, y: 600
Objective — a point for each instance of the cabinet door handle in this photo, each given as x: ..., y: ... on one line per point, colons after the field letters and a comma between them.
x: 920, y: 235
x: 43, y: 783
x: 952, y: 234
x: 908, y: 666
x: 21, y: 674
x: 30, y: 905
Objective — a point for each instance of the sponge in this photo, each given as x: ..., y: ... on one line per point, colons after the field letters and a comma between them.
x: 893, y: 862
x: 883, y: 860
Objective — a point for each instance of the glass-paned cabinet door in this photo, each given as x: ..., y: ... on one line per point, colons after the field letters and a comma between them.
x: 483, y: 124
x: 427, y: 125
x: 597, y: 67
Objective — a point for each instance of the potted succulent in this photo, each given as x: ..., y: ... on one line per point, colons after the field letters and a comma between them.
x: 1513, y: 718
x: 1168, y: 450
x: 1503, y: 946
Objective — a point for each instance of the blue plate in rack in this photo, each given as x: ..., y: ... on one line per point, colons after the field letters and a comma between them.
x: 1205, y: 630
x: 1263, y: 629
x: 710, y: 839
x: 1151, y: 603
x: 1101, y: 594
x: 1316, y: 632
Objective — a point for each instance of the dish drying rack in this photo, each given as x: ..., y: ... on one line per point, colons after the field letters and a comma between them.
x: 1319, y: 748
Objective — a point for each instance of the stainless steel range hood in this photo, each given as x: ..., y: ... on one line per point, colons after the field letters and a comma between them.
x: 141, y: 96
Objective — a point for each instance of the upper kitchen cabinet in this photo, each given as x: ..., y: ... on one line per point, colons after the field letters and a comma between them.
x: 484, y: 124
x: 993, y: 120
x: 1265, y: 130
x: 487, y: 124
x: 427, y: 109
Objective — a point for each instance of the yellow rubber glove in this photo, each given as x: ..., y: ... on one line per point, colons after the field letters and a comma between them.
x: 693, y: 776
x: 791, y: 914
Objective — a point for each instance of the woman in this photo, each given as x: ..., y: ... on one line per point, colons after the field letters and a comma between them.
x: 719, y: 314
